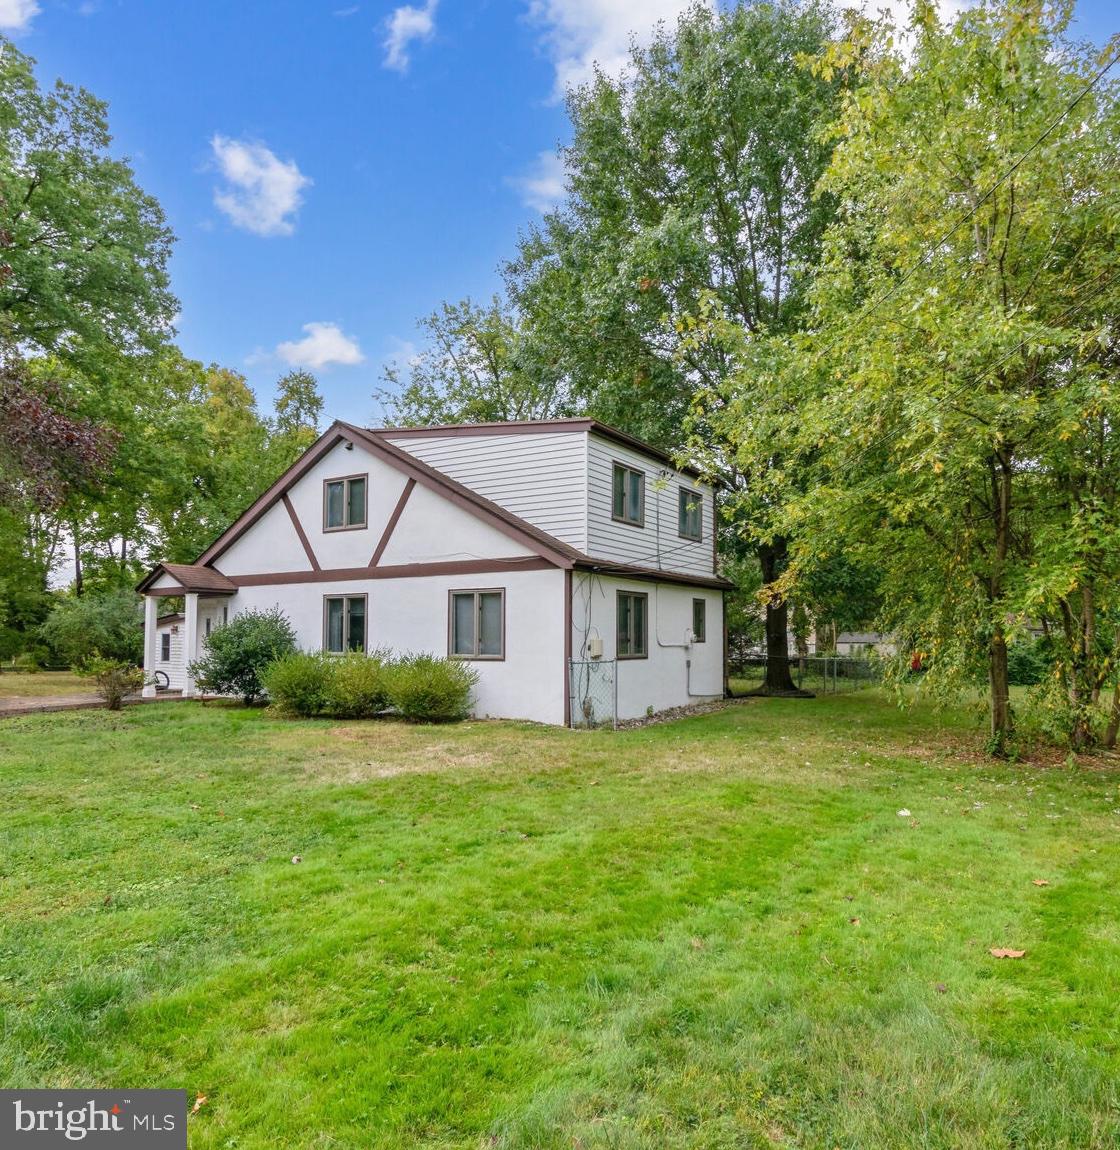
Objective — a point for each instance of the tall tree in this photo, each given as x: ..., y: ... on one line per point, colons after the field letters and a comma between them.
x: 299, y: 408
x: 690, y: 178
x: 953, y: 402
x: 480, y: 364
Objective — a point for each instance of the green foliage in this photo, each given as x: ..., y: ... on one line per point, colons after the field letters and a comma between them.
x: 481, y: 364
x: 115, y: 681
x: 237, y: 654
x: 82, y: 627
x: 430, y: 689
x: 358, y: 685
x: 297, y: 682
x: 1027, y: 663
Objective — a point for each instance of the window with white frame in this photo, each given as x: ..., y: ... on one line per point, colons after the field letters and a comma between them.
x: 344, y: 503
x: 633, y: 614
x: 165, y: 647
x: 344, y: 623
x: 476, y: 626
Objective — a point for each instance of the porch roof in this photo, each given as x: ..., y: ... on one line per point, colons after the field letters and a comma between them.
x: 188, y: 577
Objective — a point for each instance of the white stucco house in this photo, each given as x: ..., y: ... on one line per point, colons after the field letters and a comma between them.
x: 567, y: 561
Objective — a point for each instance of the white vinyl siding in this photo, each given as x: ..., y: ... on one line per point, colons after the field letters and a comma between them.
x: 539, y: 476
x: 644, y: 546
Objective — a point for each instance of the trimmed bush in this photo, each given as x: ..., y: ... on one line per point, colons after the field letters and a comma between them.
x: 237, y: 654
x: 298, y: 683
x: 427, y: 689
x: 357, y: 685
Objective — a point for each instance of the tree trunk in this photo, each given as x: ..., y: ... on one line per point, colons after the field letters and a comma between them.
x: 779, y: 681
x: 999, y: 686
x: 1113, y: 720
x: 79, y: 582
x: 1000, y: 692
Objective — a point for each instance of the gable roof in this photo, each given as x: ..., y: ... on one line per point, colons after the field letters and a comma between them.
x: 541, y: 426
x: 203, y: 577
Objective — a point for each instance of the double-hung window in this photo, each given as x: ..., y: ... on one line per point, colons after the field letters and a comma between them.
x: 632, y: 625
x: 344, y: 623
x: 477, y: 625
x: 699, y: 620
x: 628, y: 497
x: 344, y: 503
x: 690, y: 514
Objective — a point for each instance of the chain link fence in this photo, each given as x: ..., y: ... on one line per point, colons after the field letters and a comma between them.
x: 594, y: 693
x: 821, y: 674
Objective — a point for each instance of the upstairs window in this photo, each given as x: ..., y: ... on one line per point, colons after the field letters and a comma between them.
x: 629, y: 495
x: 690, y: 514
x: 344, y: 623
x: 476, y: 629
x: 344, y: 503
x: 632, y: 616
x: 699, y: 620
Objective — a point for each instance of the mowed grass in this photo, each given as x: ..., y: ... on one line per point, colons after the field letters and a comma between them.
x: 37, y: 685
x: 718, y: 932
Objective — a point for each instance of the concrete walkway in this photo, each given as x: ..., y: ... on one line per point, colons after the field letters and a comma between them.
x: 33, y: 705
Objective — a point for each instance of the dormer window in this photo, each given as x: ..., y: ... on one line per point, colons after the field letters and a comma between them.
x: 629, y: 495
x: 344, y: 503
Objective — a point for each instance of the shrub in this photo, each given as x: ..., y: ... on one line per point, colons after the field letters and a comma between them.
x: 115, y: 680
x: 297, y: 683
x: 1027, y: 664
x: 427, y: 689
x: 236, y: 655
x: 84, y: 627
x: 357, y: 687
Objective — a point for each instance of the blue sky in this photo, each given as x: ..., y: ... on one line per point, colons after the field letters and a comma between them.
x: 334, y: 169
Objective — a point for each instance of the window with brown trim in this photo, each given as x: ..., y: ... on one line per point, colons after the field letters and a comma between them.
x: 628, y: 495
x: 344, y: 502
x: 633, y: 625
x: 476, y: 624
x: 690, y: 514
x: 344, y: 623
x: 699, y: 620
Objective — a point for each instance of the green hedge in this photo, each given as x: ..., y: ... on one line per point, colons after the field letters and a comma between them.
x: 422, y: 688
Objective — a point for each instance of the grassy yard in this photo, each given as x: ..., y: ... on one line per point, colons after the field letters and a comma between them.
x: 21, y: 685
x: 721, y: 932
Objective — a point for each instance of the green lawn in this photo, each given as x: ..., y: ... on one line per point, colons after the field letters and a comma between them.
x: 712, y: 933
x: 23, y: 685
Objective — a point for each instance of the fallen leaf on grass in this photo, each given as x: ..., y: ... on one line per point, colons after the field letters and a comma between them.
x: 941, y: 988
x: 297, y: 858
x: 904, y: 813
x: 1041, y: 881
x: 697, y: 944
x: 854, y: 921
x: 1005, y: 952
x: 199, y: 1102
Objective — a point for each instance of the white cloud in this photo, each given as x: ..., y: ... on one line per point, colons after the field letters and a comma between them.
x: 405, y: 25
x: 542, y: 186
x: 262, y: 192
x: 16, y: 15
x: 579, y: 34
x: 322, y: 346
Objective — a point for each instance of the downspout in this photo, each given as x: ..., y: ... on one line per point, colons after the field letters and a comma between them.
x: 687, y: 647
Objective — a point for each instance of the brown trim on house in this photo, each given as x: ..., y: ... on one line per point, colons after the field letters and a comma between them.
x: 623, y: 571
x: 726, y: 677
x: 451, y: 593
x: 561, y: 554
x: 300, y: 532
x: 619, y: 657
x: 567, y: 648
x: 345, y: 628
x: 387, y: 534
x: 396, y: 571
x: 332, y: 436
x: 162, y: 592
x: 346, y: 480
x: 541, y: 426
